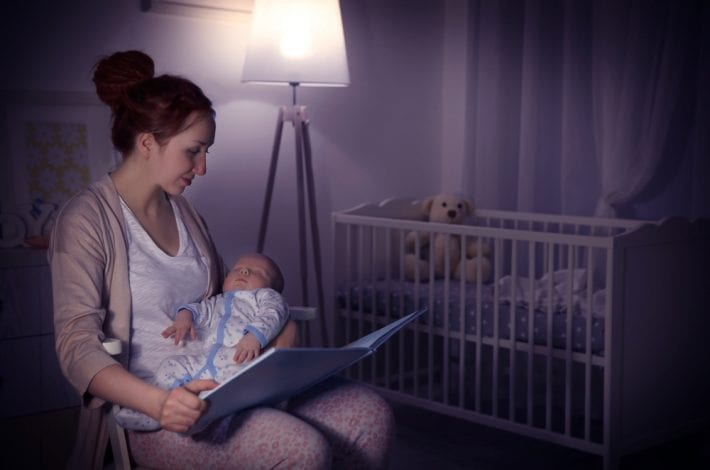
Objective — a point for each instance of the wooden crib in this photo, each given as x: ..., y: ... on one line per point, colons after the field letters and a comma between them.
x: 590, y: 332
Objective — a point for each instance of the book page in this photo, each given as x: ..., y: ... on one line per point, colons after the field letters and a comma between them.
x: 376, y: 338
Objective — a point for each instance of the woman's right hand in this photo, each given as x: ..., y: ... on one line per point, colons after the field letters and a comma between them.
x: 181, y: 407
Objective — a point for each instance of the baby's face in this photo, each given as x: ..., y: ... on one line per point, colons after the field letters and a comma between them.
x: 249, y: 272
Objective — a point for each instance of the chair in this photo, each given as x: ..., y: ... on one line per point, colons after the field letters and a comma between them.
x: 117, y: 435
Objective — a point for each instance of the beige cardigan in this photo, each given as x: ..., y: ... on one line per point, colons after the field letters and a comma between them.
x: 92, y: 300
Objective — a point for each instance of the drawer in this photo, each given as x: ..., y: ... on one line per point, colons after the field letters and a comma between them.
x: 30, y: 378
x: 56, y: 392
x: 25, y: 301
x: 20, y: 383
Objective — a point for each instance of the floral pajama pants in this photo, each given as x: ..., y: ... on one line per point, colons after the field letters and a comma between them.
x: 336, y: 424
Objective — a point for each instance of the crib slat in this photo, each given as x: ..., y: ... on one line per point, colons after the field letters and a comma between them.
x: 608, y: 348
x: 478, y: 389
x: 373, y: 283
x: 588, y: 349
x: 568, y: 341
x: 496, y: 323
x: 513, y: 328
x: 388, y: 303
x: 415, y: 340
x: 549, y: 358
x: 462, y: 326
x: 531, y: 331
x: 432, y: 308
x: 348, y: 283
x: 361, y: 292
x: 447, y: 325
x: 400, y: 359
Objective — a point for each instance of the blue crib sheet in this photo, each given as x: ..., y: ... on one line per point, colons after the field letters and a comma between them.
x: 401, y: 297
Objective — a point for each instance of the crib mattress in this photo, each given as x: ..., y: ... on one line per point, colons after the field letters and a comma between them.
x: 401, y: 297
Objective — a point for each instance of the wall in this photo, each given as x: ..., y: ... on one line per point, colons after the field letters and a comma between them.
x: 399, y: 129
x: 377, y: 138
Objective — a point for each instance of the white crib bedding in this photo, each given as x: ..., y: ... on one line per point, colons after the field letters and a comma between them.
x: 400, y: 297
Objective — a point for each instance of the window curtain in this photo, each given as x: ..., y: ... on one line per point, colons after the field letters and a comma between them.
x: 635, y: 85
x: 571, y: 102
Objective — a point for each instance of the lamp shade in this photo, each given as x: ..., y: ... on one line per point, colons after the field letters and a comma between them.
x: 296, y: 41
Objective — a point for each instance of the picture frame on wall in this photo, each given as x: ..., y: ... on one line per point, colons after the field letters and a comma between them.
x: 54, y: 143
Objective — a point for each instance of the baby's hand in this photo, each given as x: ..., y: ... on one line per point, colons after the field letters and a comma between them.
x: 247, y: 348
x: 181, y: 327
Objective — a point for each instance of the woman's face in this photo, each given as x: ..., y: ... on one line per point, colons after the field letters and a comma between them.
x: 184, y: 156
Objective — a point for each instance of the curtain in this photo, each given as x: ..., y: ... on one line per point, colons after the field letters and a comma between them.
x: 635, y: 84
x: 572, y: 102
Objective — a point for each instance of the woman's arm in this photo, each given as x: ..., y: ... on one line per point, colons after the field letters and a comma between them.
x: 176, y: 410
x: 288, y: 338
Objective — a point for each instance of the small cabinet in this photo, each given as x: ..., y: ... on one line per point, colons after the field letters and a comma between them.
x: 30, y: 378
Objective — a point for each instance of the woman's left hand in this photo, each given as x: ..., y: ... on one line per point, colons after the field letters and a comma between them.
x: 288, y: 338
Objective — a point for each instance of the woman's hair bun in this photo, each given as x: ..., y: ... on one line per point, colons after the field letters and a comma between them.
x: 116, y: 73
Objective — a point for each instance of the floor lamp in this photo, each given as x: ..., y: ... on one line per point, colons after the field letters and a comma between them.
x: 297, y: 44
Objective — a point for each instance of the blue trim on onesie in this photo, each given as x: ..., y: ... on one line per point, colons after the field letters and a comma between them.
x: 219, y: 341
x: 259, y: 336
x: 190, y: 308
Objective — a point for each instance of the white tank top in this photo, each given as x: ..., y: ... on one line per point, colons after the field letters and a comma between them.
x: 159, y: 283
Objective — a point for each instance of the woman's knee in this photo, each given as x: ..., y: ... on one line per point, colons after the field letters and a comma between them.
x: 374, y: 435
x: 358, y: 422
x: 311, y: 450
x: 280, y: 440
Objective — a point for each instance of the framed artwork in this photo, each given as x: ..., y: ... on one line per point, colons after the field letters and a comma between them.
x: 54, y: 144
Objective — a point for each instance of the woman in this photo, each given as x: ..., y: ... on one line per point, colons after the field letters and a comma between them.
x: 129, y: 248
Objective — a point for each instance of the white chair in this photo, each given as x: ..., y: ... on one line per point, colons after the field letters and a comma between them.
x: 303, y: 315
x: 117, y: 435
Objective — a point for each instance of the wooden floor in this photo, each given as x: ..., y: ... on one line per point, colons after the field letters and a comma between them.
x: 40, y: 441
x: 425, y: 440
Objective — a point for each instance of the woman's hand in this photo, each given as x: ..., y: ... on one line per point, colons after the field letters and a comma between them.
x: 176, y: 410
x: 288, y: 338
x: 181, y: 407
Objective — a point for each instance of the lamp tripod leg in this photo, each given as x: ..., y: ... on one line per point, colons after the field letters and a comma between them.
x: 310, y: 184
x: 302, y: 241
x: 270, y: 182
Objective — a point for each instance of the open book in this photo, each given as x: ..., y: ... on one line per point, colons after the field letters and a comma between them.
x: 279, y: 374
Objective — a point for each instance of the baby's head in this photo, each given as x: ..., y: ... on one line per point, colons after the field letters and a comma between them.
x: 254, y: 271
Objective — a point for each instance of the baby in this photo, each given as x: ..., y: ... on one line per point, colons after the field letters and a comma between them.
x: 237, y: 325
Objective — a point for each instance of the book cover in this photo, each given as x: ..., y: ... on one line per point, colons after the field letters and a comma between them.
x: 279, y: 374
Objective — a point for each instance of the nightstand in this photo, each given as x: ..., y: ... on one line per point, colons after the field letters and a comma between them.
x: 30, y: 378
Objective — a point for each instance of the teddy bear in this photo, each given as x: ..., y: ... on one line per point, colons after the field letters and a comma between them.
x: 451, y: 209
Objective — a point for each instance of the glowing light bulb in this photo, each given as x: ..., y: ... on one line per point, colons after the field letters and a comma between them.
x: 295, y: 44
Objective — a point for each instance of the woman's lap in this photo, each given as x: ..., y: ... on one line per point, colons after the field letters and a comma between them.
x: 259, y: 438
x: 339, y: 417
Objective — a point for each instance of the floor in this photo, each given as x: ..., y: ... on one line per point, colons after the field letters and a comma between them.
x: 40, y: 441
x: 425, y: 440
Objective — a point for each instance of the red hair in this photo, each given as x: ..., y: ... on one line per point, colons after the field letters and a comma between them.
x: 141, y: 102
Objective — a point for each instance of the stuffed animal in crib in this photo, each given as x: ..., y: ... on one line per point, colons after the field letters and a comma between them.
x: 449, y: 209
